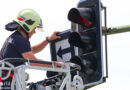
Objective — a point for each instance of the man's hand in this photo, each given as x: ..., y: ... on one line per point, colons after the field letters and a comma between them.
x: 54, y: 36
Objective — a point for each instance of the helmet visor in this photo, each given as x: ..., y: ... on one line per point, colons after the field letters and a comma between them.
x: 40, y: 26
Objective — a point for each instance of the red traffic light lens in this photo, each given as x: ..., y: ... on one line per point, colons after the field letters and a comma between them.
x: 84, y: 21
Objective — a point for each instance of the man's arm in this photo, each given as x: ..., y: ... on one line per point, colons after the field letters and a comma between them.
x: 37, y: 48
x: 29, y: 55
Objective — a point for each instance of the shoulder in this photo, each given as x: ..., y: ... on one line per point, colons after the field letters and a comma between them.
x: 20, y: 43
x: 17, y: 37
x: 17, y: 40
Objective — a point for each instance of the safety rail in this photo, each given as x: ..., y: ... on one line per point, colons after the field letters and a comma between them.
x: 19, y: 82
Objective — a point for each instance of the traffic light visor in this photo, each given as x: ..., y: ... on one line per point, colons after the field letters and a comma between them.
x: 82, y: 16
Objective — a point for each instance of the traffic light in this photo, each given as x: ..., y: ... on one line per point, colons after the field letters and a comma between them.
x: 88, y: 39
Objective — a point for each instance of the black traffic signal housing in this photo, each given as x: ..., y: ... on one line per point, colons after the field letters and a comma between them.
x: 88, y: 38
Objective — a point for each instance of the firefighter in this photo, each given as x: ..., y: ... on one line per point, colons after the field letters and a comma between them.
x: 17, y: 44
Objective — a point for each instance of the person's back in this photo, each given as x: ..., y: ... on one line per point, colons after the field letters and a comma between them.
x: 14, y: 46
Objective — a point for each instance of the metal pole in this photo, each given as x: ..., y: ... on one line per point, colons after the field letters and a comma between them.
x: 106, y: 54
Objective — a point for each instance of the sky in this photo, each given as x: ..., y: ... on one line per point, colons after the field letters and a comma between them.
x: 54, y: 16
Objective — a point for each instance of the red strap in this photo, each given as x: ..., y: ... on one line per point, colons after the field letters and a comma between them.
x: 0, y: 79
x: 11, y: 75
